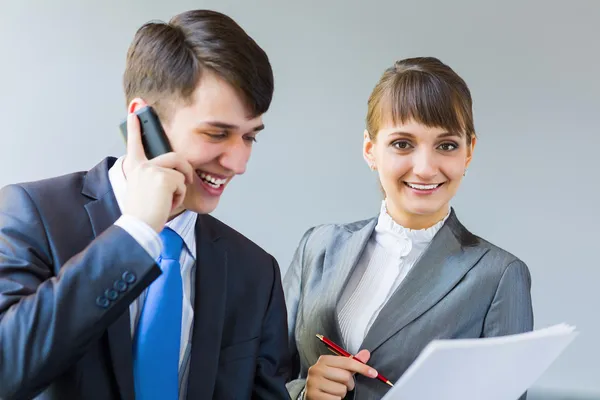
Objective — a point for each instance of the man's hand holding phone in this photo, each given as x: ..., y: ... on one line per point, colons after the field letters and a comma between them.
x: 156, y: 187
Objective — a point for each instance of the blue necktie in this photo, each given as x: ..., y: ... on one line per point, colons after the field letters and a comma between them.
x: 158, y: 334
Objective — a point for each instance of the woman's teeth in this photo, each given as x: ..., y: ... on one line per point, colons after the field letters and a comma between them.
x: 211, y: 180
x: 423, y: 187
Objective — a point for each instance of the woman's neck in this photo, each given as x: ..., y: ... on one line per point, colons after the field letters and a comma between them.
x: 416, y: 221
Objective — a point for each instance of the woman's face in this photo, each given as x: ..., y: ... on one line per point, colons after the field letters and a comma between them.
x: 420, y: 169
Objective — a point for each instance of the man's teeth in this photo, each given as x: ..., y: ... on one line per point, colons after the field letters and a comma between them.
x: 423, y: 187
x: 211, y: 180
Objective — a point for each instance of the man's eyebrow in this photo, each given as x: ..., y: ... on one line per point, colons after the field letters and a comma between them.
x: 224, y: 125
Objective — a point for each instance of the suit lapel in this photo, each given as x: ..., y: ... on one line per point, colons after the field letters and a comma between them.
x: 443, y: 264
x: 338, y: 267
x: 103, y: 211
x: 209, y: 309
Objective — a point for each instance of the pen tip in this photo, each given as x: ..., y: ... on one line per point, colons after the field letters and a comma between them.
x: 389, y: 383
x: 319, y: 336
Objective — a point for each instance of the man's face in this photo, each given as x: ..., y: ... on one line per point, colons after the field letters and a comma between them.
x: 215, y: 135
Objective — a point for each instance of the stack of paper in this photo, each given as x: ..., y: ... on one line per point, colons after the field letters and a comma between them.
x: 499, y: 368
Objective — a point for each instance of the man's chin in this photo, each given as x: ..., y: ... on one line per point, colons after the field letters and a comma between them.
x: 202, y: 206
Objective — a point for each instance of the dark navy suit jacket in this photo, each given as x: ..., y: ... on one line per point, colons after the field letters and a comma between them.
x: 68, y: 276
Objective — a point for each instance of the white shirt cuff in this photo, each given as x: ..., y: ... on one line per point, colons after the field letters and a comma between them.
x: 142, y: 233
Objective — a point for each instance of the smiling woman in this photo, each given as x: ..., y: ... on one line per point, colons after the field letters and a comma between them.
x: 420, y: 137
x: 383, y: 288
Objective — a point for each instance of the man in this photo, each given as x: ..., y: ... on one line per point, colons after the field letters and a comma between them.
x: 115, y: 283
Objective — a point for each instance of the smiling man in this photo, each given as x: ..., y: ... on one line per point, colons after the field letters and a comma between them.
x: 115, y: 283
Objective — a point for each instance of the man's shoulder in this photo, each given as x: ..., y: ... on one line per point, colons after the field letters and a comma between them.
x: 60, y: 198
x: 62, y: 185
x: 59, y: 185
x: 247, y: 262
x: 57, y: 190
x: 234, y: 239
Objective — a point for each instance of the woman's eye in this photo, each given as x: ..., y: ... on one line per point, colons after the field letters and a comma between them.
x: 401, y: 145
x: 448, y: 146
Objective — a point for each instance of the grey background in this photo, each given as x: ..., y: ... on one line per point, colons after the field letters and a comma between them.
x: 532, y: 67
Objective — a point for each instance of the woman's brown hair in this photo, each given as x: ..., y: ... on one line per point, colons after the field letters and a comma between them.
x: 425, y: 90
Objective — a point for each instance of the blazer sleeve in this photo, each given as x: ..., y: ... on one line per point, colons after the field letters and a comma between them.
x: 511, y: 310
x: 292, y: 287
x: 273, y: 367
x: 47, y: 321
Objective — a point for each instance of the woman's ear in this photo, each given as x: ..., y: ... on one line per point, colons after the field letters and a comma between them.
x: 470, y: 150
x: 368, y: 151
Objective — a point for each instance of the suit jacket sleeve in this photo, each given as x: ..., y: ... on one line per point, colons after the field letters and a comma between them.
x: 292, y: 286
x: 511, y: 311
x: 47, y: 320
x: 273, y: 366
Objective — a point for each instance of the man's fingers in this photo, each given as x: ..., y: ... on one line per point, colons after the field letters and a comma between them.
x: 173, y: 161
x: 180, y: 190
x: 135, y: 149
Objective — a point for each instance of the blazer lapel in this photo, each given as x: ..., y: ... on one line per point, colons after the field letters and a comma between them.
x: 338, y: 267
x: 103, y: 211
x: 447, y: 259
x: 209, y: 309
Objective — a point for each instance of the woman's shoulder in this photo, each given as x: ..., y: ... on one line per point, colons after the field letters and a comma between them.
x: 494, y: 255
x: 325, y: 232
x: 500, y: 256
x: 498, y: 262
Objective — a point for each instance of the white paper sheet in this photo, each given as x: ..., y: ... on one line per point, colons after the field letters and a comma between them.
x: 499, y: 368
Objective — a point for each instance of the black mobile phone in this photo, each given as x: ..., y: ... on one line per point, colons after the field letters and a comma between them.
x: 154, y: 139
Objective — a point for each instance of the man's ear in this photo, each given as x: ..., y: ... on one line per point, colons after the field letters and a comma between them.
x: 136, y: 104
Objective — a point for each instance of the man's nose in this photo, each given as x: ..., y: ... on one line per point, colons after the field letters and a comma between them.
x: 235, y: 157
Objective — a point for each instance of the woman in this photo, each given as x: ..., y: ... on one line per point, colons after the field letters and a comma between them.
x: 385, y: 287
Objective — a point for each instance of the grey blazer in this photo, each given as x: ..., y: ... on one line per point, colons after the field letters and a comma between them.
x: 461, y: 287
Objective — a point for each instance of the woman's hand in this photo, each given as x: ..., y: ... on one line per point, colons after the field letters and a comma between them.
x: 333, y: 376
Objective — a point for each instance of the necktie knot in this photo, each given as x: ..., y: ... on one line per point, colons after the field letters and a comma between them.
x: 172, y: 244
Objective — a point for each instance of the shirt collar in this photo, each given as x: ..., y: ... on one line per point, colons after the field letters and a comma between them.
x: 391, y: 234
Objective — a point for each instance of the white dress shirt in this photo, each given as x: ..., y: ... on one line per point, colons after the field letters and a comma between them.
x: 390, y: 254
x: 184, y: 224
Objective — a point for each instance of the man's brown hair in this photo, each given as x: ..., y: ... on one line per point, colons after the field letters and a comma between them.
x: 423, y: 89
x: 165, y: 61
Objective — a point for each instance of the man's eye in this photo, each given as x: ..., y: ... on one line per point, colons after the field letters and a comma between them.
x: 217, y: 135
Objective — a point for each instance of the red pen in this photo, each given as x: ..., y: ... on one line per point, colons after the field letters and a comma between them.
x: 341, y: 352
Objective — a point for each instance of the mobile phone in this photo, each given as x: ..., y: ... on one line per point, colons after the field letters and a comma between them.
x: 154, y: 139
